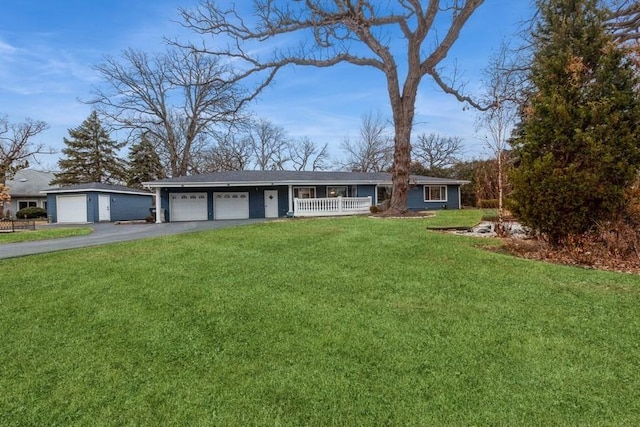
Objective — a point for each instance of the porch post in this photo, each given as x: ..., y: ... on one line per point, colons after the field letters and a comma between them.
x: 290, y: 198
x: 158, y: 206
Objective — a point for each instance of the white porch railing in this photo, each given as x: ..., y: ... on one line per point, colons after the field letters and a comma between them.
x: 331, y: 206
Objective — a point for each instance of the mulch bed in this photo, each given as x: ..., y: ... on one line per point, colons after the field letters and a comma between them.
x: 593, y: 257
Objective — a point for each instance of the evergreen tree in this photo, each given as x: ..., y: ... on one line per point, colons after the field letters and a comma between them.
x: 144, y: 163
x: 91, y: 156
x: 577, y: 146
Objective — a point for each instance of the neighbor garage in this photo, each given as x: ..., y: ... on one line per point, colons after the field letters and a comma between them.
x: 97, y: 202
x: 71, y: 208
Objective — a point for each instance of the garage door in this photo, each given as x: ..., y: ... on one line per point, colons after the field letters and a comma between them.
x: 71, y: 208
x: 231, y: 205
x: 188, y: 207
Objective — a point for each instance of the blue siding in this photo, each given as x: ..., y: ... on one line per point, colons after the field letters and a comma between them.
x: 52, y: 208
x: 415, y: 200
x: 256, y: 199
x: 124, y: 207
x: 128, y: 207
x: 367, y: 191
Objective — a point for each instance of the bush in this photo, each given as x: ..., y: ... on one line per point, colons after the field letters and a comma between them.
x: 373, y: 209
x: 31, y: 213
x: 488, y: 204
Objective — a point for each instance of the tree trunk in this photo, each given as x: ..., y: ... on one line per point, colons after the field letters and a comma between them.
x: 500, y: 225
x: 403, y: 112
x: 400, y: 172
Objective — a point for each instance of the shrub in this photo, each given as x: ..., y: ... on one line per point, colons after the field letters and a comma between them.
x: 373, y: 209
x: 488, y: 204
x: 31, y: 213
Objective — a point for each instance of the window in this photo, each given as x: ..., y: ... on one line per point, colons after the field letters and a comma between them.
x: 304, y: 192
x: 435, y: 193
x: 340, y: 191
x: 27, y: 204
x: 384, y: 193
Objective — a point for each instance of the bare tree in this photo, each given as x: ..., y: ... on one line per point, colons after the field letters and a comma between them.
x: 373, y: 150
x: 362, y: 32
x: 503, y: 90
x: 177, y: 98
x: 17, y: 146
x: 305, y: 154
x: 437, y: 152
x: 229, y: 154
x: 624, y: 20
x: 268, y: 144
x: 16, y: 149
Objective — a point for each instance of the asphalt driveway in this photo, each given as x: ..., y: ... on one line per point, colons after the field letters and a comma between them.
x: 104, y: 233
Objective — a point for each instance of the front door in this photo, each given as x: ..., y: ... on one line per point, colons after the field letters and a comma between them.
x: 271, y: 203
x: 104, y: 207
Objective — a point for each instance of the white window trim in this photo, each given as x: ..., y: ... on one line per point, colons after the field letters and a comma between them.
x: 18, y: 201
x: 443, y: 190
x: 305, y: 187
x: 346, y: 188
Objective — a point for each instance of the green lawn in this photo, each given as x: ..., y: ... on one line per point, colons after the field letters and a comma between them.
x: 43, y: 234
x: 352, y: 321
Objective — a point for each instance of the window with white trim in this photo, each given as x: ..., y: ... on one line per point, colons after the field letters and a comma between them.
x: 435, y: 193
x: 304, y: 192
x: 22, y: 204
x: 337, y: 191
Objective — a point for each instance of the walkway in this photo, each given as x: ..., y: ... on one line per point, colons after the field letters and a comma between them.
x: 105, y: 233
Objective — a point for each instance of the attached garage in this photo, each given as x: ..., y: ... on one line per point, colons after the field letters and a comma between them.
x: 188, y: 207
x: 71, y: 209
x: 231, y: 205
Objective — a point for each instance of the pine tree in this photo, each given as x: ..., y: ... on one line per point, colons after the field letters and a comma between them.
x: 91, y: 156
x: 577, y: 147
x: 144, y: 163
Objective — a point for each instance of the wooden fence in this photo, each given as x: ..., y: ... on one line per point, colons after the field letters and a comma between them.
x: 11, y: 225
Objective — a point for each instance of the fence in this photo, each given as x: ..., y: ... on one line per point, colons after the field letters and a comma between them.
x: 11, y: 225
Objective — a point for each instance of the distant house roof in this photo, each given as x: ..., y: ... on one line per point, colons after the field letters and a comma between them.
x: 29, y: 183
x: 96, y: 187
x: 262, y: 178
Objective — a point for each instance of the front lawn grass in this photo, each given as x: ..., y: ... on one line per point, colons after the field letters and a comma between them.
x: 459, y: 218
x: 43, y: 234
x: 352, y: 321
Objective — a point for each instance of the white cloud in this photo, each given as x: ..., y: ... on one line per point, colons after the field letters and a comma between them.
x: 6, y: 48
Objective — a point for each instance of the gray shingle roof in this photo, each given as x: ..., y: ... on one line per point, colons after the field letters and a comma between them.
x: 292, y: 177
x: 29, y: 183
x: 96, y: 186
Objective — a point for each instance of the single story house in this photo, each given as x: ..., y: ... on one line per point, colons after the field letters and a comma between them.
x: 97, y: 202
x: 273, y: 194
x: 25, y: 190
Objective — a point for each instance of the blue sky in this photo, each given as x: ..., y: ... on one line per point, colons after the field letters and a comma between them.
x: 48, y: 48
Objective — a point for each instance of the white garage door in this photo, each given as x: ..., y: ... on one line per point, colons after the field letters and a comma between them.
x: 71, y: 208
x: 188, y: 207
x: 230, y: 205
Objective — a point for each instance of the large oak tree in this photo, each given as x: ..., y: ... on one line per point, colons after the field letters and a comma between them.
x: 405, y: 40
